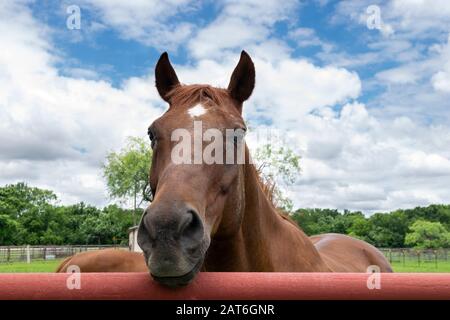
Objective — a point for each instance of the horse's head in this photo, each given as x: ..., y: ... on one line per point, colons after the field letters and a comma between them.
x: 197, y: 173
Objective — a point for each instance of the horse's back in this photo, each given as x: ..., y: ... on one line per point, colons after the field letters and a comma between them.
x: 106, y: 260
x: 346, y: 254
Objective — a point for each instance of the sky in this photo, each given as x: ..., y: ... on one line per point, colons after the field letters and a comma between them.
x: 359, y: 89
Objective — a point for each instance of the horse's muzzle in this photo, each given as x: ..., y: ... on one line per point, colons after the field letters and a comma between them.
x: 174, y: 243
x: 179, y: 281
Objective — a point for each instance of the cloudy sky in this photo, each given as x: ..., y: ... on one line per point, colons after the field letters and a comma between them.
x: 365, y: 101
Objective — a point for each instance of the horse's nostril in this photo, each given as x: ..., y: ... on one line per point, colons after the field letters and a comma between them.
x: 149, y: 227
x: 185, y: 221
x: 191, y: 226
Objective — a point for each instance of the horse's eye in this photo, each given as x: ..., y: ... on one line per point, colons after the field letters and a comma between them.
x: 241, y: 130
x: 152, y: 137
x: 239, y: 134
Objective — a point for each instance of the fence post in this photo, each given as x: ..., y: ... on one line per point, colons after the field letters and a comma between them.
x: 435, y: 259
x: 418, y: 257
x: 8, y: 254
x: 28, y: 254
x: 403, y: 256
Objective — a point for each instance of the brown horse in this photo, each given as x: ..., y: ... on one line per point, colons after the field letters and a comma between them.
x: 107, y: 260
x: 218, y: 217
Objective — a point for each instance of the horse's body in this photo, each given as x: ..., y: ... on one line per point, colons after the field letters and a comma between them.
x: 106, y: 260
x: 219, y: 217
x: 340, y: 253
x: 270, y: 241
x: 346, y: 254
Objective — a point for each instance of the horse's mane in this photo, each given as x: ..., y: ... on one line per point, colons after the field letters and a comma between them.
x: 268, y: 186
x: 195, y: 93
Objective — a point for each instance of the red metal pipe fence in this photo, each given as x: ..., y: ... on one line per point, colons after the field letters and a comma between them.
x: 227, y: 286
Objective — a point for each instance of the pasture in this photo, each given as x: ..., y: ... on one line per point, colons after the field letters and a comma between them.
x: 413, y: 266
x: 35, y: 266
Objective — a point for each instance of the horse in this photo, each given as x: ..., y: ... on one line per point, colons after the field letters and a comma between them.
x: 106, y: 260
x: 218, y: 216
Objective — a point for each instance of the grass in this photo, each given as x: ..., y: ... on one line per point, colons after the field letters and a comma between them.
x: 51, y: 265
x: 35, y: 266
x: 428, y: 266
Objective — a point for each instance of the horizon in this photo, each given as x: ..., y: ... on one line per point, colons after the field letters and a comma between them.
x: 121, y: 204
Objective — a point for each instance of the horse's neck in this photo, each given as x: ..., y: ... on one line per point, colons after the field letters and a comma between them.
x: 265, y: 241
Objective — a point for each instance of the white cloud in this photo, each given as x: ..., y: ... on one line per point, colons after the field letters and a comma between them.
x: 441, y: 79
x: 240, y: 24
x: 352, y: 160
x: 151, y: 22
x: 56, y: 130
x: 306, y: 37
x: 419, y: 16
x: 294, y: 87
x: 407, y: 18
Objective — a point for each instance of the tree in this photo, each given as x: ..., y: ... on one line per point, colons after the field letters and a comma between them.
x: 279, y: 168
x: 73, y: 218
x: 26, y: 215
x: 428, y: 235
x: 388, y: 230
x: 9, y: 228
x: 17, y: 199
x: 109, y: 226
x: 360, y: 228
x: 127, y: 172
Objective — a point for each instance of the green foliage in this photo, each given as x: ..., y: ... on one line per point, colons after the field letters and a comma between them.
x: 278, y: 161
x: 428, y: 235
x: 389, y: 230
x: 279, y: 167
x: 31, y: 216
x: 16, y: 200
x: 108, y: 226
x: 127, y: 171
x: 9, y: 229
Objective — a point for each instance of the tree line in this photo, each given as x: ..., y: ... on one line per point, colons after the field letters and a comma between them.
x: 421, y: 227
x: 29, y: 215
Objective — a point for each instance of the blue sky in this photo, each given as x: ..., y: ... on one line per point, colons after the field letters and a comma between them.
x: 366, y: 108
x: 117, y: 58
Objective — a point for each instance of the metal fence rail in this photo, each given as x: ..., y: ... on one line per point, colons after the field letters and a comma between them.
x: 228, y: 285
x: 30, y: 253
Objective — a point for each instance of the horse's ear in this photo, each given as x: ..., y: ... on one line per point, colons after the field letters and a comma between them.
x: 165, y: 76
x: 242, y: 80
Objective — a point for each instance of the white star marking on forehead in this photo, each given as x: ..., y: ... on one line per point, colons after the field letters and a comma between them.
x: 197, y: 110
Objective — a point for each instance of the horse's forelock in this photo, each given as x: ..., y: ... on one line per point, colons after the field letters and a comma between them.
x: 188, y: 95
